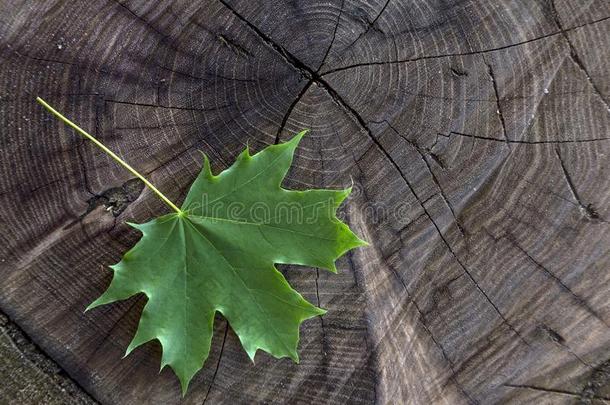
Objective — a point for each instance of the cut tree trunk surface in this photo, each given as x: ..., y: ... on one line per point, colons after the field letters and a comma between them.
x: 28, y: 376
x: 475, y: 132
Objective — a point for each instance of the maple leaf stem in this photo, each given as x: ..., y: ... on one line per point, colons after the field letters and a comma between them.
x: 111, y: 154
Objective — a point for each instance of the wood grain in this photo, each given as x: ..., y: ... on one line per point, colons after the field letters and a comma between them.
x: 30, y: 377
x: 476, y: 134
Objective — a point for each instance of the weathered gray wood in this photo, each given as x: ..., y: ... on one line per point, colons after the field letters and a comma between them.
x: 30, y: 377
x: 477, y: 137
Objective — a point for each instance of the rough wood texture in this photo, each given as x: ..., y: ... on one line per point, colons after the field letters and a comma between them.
x: 477, y: 136
x: 30, y: 377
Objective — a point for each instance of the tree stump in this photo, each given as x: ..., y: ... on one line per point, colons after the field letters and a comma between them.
x: 476, y: 134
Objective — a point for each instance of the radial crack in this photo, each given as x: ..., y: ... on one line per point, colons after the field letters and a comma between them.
x: 285, y: 54
x: 574, y: 54
x: 579, y: 300
x: 494, y: 83
x: 485, y: 138
x: 332, y: 41
x: 289, y: 111
x: 553, y: 391
x: 422, y: 155
x: 468, y: 53
x: 222, y: 348
x: 136, y: 16
x: 369, y: 25
x: 587, y: 210
x: 165, y: 106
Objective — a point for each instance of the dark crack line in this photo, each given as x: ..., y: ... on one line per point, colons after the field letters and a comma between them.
x: 494, y: 83
x: 212, y: 76
x: 444, y: 240
x: 406, y: 226
x: 554, y: 336
x: 83, y: 166
x: 153, y: 127
x: 142, y: 20
x: 61, y: 62
x: 322, y: 325
x: 332, y: 41
x: 471, y: 277
x: 196, y: 144
x: 487, y: 100
x: 553, y: 391
x: 233, y: 46
x: 114, y: 324
x: 586, y: 210
x: 222, y: 348
x: 576, y: 356
x: 484, y: 138
x: 49, y: 95
x: 369, y: 25
x: 421, y: 318
x: 285, y: 54
x: 289, y: 111
x: 536, y: 188
x: 317, y: 288
x: 226, y: 41
x: 579, y: 300
x: 442, y: 193
x: 423, y: 155
x: 469, y: 53
x: 165, y: 106
x: 15, y: 189
x: 574, y: 55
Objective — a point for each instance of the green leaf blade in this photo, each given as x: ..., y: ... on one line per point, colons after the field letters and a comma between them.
x: 215, y: 258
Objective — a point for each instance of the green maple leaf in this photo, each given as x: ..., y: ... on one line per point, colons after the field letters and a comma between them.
x: 218, y: 253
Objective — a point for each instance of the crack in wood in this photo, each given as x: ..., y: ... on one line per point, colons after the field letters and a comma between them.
x: 578, y: 299
x: 494, y: 83
x: 222, y: 348
x: 574, y: 54
x: 421, y: 319
x: 212, y: 76
x: 148, y: 24
x: 422, y: 155
x: 325, y: 346
x: 484, y: 138
x: 553, y: 391
x: 216, y: 108
x: 586, y: 209
x: 560, y: 341
x: 332, y: 41
x: 83, y: 166
x: 456, y: 54
x: 288, y: 57
x: 369, y: 25
x: 289, y: 111
x: 233, y: 45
